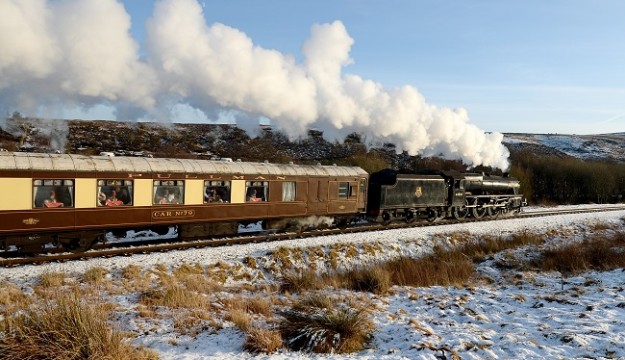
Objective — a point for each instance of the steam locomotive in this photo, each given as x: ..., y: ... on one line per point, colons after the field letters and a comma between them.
x: 73, y: 201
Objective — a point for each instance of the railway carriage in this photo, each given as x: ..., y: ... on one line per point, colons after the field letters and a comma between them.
x: 71, y: 201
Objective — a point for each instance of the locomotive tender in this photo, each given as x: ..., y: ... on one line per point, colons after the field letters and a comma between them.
x: 72, y: 201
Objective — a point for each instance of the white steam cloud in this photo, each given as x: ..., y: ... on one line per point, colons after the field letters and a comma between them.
x: 68, y: 53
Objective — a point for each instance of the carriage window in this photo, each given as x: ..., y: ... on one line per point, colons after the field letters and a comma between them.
x: 114, y: 192
x: 288, y: 191
x: 168, y: 192
x: 216, y: 191
x: 53, y: 193
x: 256, y: 191
x: 343, y: 190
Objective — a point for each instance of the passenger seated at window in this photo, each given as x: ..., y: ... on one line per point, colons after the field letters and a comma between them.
x: 252, y: 197
x: 52, y: 201
x: 168, y: 198
x: 211, y: 196
x: 113, y: 200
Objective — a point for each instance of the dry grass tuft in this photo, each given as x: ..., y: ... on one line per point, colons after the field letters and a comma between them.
x: 490, y: 245
x: 298, y: 281
x: 131, y: 272
x: 375, y: 279
x: 187, y: 269
x: 259, y: 305
x: 599, y: 252
x: 94, y: 275
x: 442, y: 268
x: 65, y: 329
x: 263, y: 341
x: 334, y: 329
x: 173, y: 296
x: 240, y: 318
x: 52, y: 279
x: 12, y: 298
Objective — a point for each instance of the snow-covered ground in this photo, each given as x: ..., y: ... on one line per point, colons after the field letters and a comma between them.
x: 513, y: 315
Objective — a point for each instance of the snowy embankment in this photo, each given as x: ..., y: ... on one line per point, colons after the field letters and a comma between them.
x: 507, y: 314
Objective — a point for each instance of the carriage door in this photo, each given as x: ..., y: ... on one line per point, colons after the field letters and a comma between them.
x: 317, y: 196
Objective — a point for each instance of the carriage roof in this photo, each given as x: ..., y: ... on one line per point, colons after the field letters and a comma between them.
x: 21, y: 161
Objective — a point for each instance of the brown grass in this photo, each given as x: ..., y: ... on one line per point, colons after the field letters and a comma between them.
x: 240, y: 318
x: 94, y: 275
x: 65, y: 329
x: 599, y: 252
x: 51, y: 279
x: 12, y: 296
x: 375, y: 279
x: 442, y: 268
x: 173, y: 296
x: 263, y: 341
x: 334, y: 329
x: 298, y: 281
x: 477, y: 250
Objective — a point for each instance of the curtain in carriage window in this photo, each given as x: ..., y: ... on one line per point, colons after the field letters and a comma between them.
x: 288, y: 191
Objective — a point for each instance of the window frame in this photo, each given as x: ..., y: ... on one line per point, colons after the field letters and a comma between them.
x: 212, y: 185
x: 257, y: 185
x: 102, y: 197
x: 59, y: 186
x: 158, y: 192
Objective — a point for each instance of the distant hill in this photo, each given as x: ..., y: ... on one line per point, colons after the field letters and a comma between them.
x: 586, y: 147
x: 213, y: 141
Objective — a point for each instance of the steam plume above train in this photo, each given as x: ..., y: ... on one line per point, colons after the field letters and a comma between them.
x: 57, y: 54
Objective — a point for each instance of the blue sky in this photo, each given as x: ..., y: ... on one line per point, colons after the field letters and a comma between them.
x: 516, y: 66
x: 532, y: 66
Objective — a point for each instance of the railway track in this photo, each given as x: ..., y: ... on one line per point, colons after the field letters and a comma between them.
x: 129, y: 248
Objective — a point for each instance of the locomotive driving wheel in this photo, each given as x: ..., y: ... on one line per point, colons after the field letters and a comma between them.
x: 478, y: 212
x: 494, y: 212
x: 460, y: 213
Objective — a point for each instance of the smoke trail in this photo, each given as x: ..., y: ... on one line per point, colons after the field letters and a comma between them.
x: 80, y: 52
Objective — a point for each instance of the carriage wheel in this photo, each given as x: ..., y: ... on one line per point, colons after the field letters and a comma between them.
x: 410, y: 217
x: 386, y: 218
x: 81, y: 244
x: 432, y: 215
